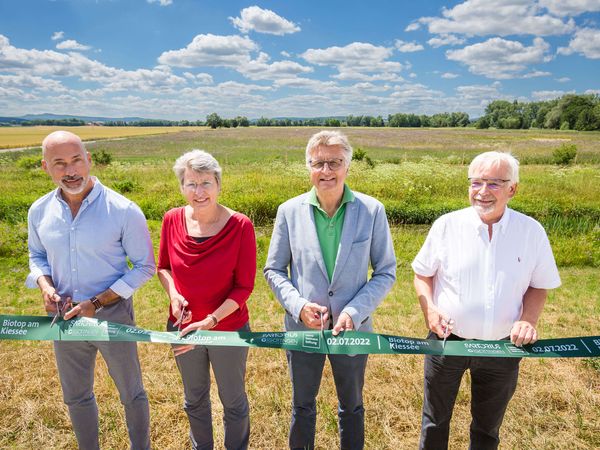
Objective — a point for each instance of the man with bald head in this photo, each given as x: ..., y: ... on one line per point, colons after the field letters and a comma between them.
x: 81, y: 236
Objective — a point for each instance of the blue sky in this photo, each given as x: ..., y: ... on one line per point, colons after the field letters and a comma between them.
x: 183, y: 59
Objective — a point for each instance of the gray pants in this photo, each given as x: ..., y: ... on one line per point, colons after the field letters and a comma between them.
x: 76, y: 361
x: 229, y: 367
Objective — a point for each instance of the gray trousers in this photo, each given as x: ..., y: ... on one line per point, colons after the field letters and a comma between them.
x: 76, y: 362
x: 229, y: 367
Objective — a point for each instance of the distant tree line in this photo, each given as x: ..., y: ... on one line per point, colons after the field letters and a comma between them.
x: 455, y: 119
x: 570, y: 112
x: 215, y: 121
x: 53, y: 122
x: 153, y: 123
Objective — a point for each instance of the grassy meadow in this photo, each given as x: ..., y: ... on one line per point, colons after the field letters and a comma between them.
x: 419, y: 174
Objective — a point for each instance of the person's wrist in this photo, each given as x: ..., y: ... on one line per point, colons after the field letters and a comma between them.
x: 96, y: 303
x: 213, y: 319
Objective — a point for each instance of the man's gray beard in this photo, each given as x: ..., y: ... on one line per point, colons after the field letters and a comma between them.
x: 482, y: 210
x: 76, y: 191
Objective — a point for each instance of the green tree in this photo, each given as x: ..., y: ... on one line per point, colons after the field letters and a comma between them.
x: 214, y: 121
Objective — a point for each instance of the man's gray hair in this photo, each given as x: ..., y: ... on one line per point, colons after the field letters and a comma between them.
x: 198, y: 161
x: 329, y: 138
x: 496, y: 159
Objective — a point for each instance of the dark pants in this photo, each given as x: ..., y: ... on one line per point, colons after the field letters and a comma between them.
x: 493, y: 383
x: 306, y: 370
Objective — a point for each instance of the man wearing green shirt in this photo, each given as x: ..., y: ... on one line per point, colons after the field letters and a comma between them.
x: 322, y: 244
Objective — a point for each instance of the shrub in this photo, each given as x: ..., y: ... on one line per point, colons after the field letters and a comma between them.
x: 102, y: 158
x: 358, y: 154
x: 565, y: 154
x: 29, y: 162
x: 125, y: 186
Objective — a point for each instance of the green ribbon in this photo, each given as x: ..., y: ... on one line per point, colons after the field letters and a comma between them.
x: 37, y: 328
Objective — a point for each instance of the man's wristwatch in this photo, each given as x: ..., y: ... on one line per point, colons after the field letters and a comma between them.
x: 96, y: 302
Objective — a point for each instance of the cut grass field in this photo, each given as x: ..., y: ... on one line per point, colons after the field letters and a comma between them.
x: 16, y: 137
x: 418, y: 173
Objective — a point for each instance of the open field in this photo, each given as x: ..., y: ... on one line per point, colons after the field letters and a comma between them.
x: 419, y: 174
x: 11, y: 137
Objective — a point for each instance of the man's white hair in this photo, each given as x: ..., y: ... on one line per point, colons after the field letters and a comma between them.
x: 496, y: 159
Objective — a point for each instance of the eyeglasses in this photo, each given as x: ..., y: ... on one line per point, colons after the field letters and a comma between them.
x: 333, y: 164
x: 493, y: 184
x: 193, y: 187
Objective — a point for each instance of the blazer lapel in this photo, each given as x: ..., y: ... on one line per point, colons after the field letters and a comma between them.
x: 348, y: 232
x: 310, y: 233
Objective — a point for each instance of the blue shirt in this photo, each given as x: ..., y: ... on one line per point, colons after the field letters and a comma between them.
x: 89, y: 253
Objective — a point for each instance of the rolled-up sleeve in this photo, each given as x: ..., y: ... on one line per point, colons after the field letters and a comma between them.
x: 137, y: 244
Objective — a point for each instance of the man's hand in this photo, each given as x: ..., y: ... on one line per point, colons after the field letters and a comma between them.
x: 523, y: 333
x: 311, y: 315
x: 439, y: 323
x: 84, y: 309
x: 51, y: 298
x: 343, y: 323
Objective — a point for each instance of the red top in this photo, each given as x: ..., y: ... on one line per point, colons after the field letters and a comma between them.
x: 209, y: 272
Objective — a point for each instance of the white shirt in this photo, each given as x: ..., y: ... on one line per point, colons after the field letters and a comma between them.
x: 480, y: 283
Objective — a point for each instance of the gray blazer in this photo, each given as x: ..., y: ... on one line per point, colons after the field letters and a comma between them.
x: 365, y: 239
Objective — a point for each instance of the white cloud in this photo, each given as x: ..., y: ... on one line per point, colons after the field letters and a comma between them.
x: 71, y: 44
x: 497, y: 17
x: 26, y: 81
x: 261, y: 20
x: 407, y: 47
x: 260, y: 69
x: 449, y: 75
x: 51, y: 63
x: 57, y: 35
x: 586, y: 42
x: 500, y: 58
x: 355, y: 61
x: 563, y: 8
x: 413, y: 26
x: 285, y: 54
x: 161, y: 2
x: 211, y: 50
x: 536, y: 74
x: 547, y: 95
x: 563, y: 79
x: 412, y: 75
x: 199, y: 78
x: 445, y: 39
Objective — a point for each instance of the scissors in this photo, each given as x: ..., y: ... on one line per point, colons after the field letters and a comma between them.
x: 59, y: 311
x: 181, y: 319
x: 450, y: 322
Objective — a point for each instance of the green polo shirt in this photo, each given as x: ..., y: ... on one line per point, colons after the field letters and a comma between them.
x: 329, y: 229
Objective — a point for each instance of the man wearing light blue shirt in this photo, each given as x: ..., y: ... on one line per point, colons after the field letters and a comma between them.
x: 81, y: 236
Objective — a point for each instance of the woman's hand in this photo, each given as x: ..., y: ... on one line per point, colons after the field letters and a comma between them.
x: 179, y: 308
x: 205, y: 324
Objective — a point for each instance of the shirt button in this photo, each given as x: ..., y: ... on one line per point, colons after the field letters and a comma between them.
x: 331, y: 293
x: 73, y: 229
x: 73, y: 270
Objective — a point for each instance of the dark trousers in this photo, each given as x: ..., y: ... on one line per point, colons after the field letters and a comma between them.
x: 493, y: 383
x: 306, y: 370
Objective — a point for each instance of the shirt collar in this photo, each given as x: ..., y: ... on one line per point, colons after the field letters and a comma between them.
x: 347, y: 196
x: 502, y: 224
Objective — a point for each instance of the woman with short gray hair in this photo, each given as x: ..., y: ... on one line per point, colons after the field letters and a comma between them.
x: 207, y: 266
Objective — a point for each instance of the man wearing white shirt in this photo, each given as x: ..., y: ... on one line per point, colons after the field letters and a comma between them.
x: 483, y: 273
